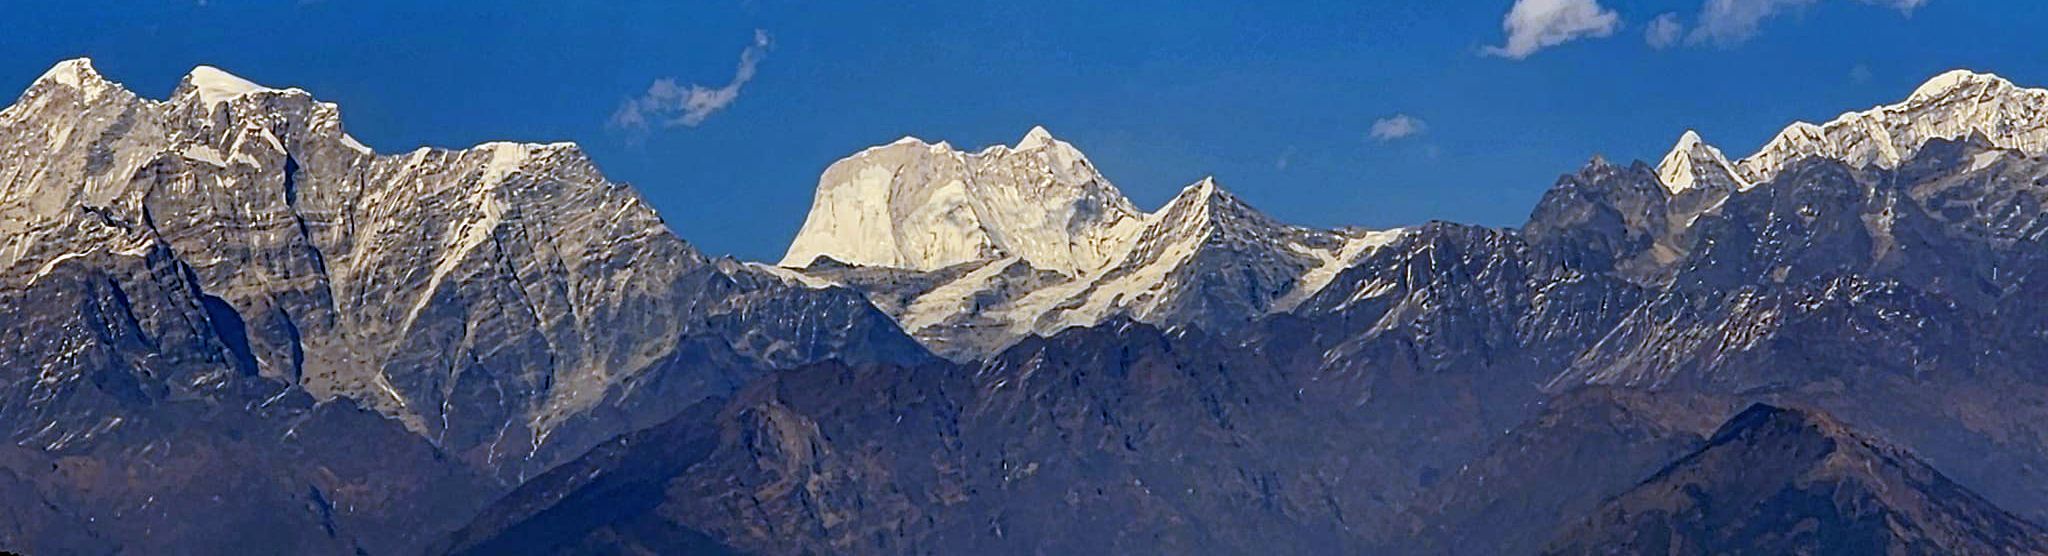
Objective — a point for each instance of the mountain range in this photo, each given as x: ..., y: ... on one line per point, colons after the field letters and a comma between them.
x: 240, y: 328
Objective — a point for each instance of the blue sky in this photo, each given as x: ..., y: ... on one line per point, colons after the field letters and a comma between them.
x: 1279, y: 100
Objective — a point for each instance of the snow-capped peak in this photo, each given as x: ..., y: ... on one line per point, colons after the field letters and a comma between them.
x: 1953, y: 79
x: 1203, y: 188
x: 1205, y: 207
x: 1038, y: 137
x: 1034, y: 240
x: 1061, y: 156
x: 1952, y: 105
x: 923, y: 207
x: 76, y: 78
x: 215, y: 86
x: 1195, y: 202
x: 75, y: 72
x: 1694, y: 163
x: 1689, y: 139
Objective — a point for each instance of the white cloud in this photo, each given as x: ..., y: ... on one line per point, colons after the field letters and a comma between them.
x: 1397, y: 127
x: 668, y: 104
x: 1664, y: 31
x: 1732, y: 22
x: 1534, y: 25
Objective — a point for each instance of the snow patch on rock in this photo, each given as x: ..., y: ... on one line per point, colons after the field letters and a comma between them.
x: 215, y: 86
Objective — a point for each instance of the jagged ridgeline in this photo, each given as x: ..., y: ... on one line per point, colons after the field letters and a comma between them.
x: 1206, y: 378
x: 971, y: 251
x: 228, y: 263
x: 237, y: 328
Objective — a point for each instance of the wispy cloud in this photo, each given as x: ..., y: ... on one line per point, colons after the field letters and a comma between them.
x: 1397, y: 127
x: 668, y: 104
x: 1664, y: 32
x: 1732, y: 22
x: 1534, y: 25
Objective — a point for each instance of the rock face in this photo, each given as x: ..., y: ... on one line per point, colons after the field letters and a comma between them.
x: 1549, y: 472
x: 1123, y: 438
x: 231, y: 252
x: 1779, y: 481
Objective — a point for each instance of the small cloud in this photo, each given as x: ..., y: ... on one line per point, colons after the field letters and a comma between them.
x: 1860, y: 74
x: 1286, y: 159
x: 1534, y: 25
x: 1397, y: 127
x: 1728, y: 23
x: 668, y: 104
x: 1664, y: 31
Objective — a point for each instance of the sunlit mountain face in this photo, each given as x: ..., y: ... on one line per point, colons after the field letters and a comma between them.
x: 235, y: 326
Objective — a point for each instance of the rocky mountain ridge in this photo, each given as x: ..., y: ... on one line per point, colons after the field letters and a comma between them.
x: 225, y: 280
x: 229, y: 258
x: 997, y: 280
x: 1775, y: 480
x: 1897, y: 296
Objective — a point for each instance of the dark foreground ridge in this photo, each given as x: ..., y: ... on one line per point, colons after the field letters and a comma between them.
x: 1787, y: 481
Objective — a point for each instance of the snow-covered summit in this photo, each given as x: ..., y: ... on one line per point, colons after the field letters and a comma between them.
x: 1023, y: 239
x: 77, y: 75
x: 924, y: 206
x: 1038, y: 137
x: 1948, y: 81
x: 1692, y: 163
x: 215, y: 86
x: 1952, y: 105
x: 74, y: 72
x: 1028, y: 239
x: 1204, y: 207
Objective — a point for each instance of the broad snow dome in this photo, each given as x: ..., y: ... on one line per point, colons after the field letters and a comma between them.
x: 215, y: 86
x: 923, y: 206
